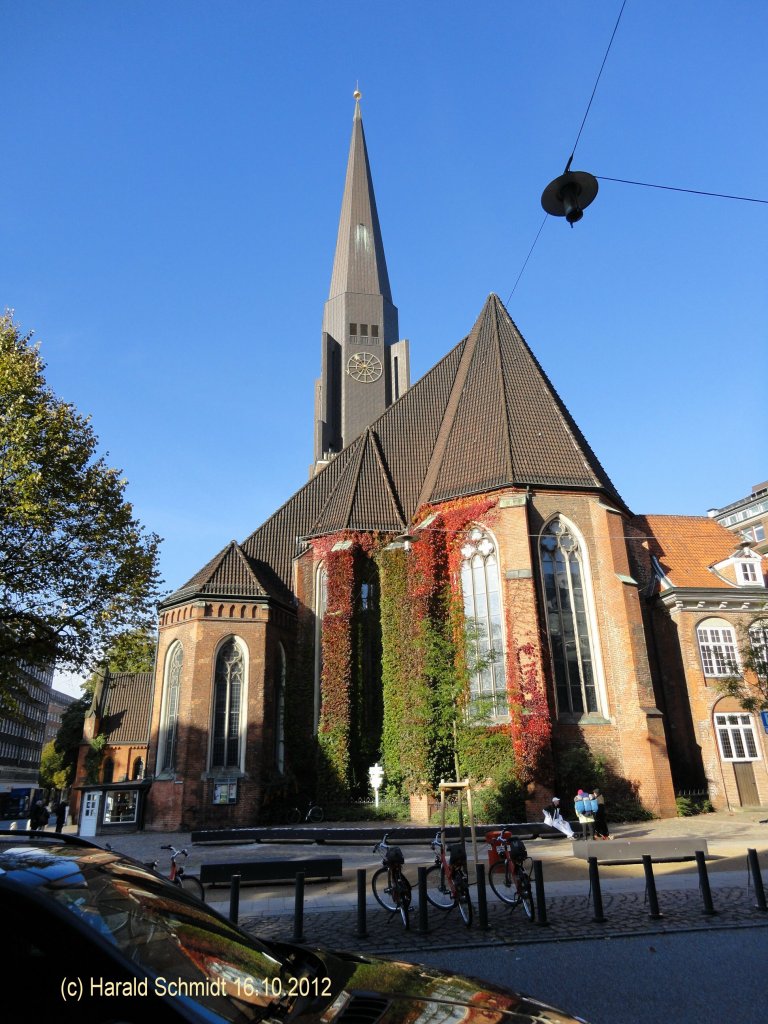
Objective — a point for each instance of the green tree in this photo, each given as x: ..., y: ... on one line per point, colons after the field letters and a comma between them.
x: 77, y: 569
x: 54, y: 774
x: 749, y: 682
x: 70, y: 735
x: 133, y: 651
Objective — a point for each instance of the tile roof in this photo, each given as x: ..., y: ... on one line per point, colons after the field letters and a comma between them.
x: 685, y: 547
x: 485, y: 417
x: 126, y: 706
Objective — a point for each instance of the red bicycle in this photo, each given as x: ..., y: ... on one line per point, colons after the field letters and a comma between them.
x: 507, y: 874
x: 448, y: 881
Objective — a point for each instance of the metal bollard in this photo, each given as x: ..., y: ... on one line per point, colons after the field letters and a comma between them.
x: 298, y: 909
x: 757, y: 879
x: 541, y: 902
x: 423, y: 913
x: 361, y: 932
x: 482, y: 899
x: 650, y: 886
x: 594, y: 886
x: 706, y: 892
x: 234, y: 898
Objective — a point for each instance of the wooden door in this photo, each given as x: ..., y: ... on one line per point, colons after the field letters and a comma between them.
x: 745, y: 783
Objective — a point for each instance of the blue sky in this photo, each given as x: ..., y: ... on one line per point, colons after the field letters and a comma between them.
x: 170, y: 191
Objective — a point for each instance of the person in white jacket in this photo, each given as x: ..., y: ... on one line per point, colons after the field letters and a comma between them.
x: 553, y: 816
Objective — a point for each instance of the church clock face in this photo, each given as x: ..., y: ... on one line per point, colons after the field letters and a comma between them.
x: 364, y: 366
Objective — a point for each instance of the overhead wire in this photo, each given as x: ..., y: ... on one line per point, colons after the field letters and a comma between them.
x: 581, y: 128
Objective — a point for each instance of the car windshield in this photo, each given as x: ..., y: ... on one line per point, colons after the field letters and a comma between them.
x: 173, y: 939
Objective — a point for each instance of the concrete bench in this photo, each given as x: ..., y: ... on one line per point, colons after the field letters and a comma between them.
x: 271, y: 870
x: 632, y: 851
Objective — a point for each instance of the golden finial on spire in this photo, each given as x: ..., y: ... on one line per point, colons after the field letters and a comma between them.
x: 357, y: 94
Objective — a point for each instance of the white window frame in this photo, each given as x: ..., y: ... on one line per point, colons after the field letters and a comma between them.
x: 170, y: 656
x: 218, y: 770
x: 280, y: 710
x: 321, y: 602
x: 719, y: 654
x: 739, y: 727
x: 591, y: 620
x: 480, y: 550
x: 748, y: 573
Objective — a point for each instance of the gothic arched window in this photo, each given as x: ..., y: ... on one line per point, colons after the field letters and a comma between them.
x: 280, y: 711
x: 169, y: 723
x: 321, y: 603
x: 566, y: 600
x: 138, y: 769
x: 481, y: 590
x: 108, y: 770
x: 227, y: 700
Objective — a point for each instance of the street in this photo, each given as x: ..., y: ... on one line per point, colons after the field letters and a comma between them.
x: 686, y: 978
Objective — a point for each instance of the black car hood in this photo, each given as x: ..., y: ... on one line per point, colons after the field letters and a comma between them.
x: 372, y: 991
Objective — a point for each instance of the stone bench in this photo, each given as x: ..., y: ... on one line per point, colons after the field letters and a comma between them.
x: 281, y: 870
x: 632, y: 851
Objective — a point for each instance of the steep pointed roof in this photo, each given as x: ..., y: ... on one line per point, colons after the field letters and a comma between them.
x: 485, y: 417
x: 228, y: 574
x: 359, y: 264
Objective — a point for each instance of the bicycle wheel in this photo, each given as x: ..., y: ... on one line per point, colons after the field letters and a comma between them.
x: 526, y: 896
x: 402, y: 897
x: 191, y: 885
x: 438, y: 891
x: 293, y: 816
x: 315, y: 814
x: 503, y: 882
x: 382, y: 890
x: 462, y: 897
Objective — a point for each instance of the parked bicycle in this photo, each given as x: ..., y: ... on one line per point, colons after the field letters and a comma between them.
x: 189, y: 883
x: 447, y: 879
x: 507, y: 874
x: 391, y: 888
x: 313, y: 813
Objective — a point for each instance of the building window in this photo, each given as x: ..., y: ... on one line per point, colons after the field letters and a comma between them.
x: 280, y: 711
x: 364, y: 330
x: 228, y: 695
x: 170, y: 720
x: 138, y: 769
x: 758, y: 638
x: 120, y: 807
x: 321, y: 603
x: 570, y: 642
x: 481, y: 590
x: 717, y: 644
x: 736, y: 737
x: 108, y: 770
x: 353, y: 330
x: 747, y: 573
x: 374, y: 330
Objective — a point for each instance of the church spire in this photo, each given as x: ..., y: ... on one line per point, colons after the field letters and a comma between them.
x: 359, y: 264
x: 364, y: 366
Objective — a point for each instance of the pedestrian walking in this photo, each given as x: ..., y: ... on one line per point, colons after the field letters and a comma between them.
x: 61, y: 814
x: 601, y: 819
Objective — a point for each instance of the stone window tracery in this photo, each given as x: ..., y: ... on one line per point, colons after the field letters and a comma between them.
x: 481, y: 591
x: 169, y: 726
x: 228, y: 694
x: 566, y: 601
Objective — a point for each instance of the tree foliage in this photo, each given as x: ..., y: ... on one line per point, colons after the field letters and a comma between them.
x: 76, y: 567
x: 749, y: 681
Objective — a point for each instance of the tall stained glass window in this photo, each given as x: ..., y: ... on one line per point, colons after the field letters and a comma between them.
x: 171, y: 709
x: 562, y: 568
x: 482, y: 614
x: 228, y: 695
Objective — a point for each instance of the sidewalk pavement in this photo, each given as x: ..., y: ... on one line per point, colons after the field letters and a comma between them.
x: 331, y: 914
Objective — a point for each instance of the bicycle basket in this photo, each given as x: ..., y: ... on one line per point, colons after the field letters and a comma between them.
x: 394, y: 855
x: 517, y: 850
x: 457, y: 854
